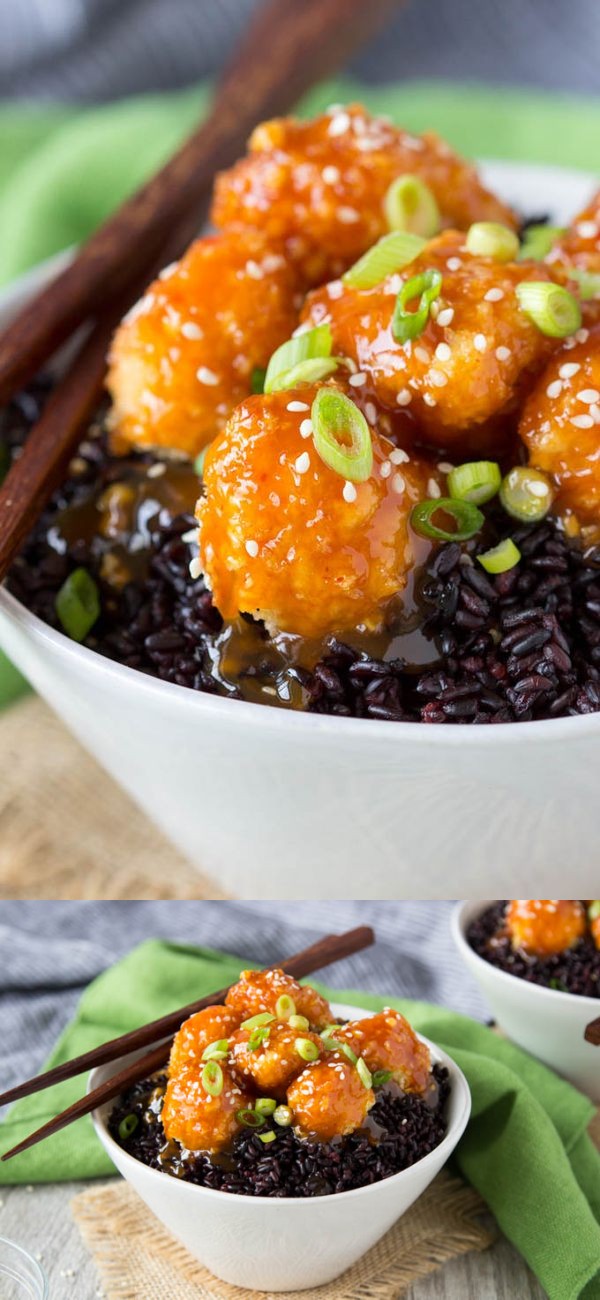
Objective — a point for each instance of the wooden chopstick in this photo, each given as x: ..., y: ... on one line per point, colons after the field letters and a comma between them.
x: 592, y: 1032
x: 288, y: 46
x: 332, y: 948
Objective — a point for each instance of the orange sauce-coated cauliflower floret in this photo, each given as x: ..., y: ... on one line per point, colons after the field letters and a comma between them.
x: 544, y: 926
x: 183, y: 357
x: 197, y: 1033
x: 274, y: 1062
x: 319, y: 186
x: 329, y: 1099
x: 469, y: 364
x: 386, y: 1041
x: 274, y: 514
x: 259, y: 990
x: 196, y: 1119
x: 560, y: 425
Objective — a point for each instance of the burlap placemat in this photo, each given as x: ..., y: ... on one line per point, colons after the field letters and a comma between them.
x: 136, y: 1259
x: 67, y: 830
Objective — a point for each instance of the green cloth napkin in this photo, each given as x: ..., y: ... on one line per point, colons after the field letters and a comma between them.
x: 62, y: 170
x: 526, y: 1149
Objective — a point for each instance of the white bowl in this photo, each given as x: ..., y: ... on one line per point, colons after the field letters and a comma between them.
x: 545, y: 1022
x: 293, y: 1243
x: 276, y: 804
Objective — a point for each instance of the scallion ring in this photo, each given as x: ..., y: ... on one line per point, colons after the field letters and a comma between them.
x: 380, y: 1077
x: 199, y: 462
x: 594, y: 909
x: 588, y: 282
x: 538, y: 240
x: 212, y: 1078
x: 77, y: 604
x: 306, y: 372
x: 364, y: 1073
x: 250, y: 1118
x: 554, y: 310
x: 263, y: 1018
x: 258, y: 1036
x: 283, y: 1116
x: 266, y: 1105
x: 333, y: 1045
x: 467, y: 518
x: 492, y: 239
x: 217, y: 1051
x: 298, y: 1022
x: 341, y: 435
x: 526, y: 494
x: 391, y: 253
x: 285, y: 1007
x: 127, y: 1127
x: 330, y: 1029
x: 410, y: 324
x: 500, y: 558
x: 306, y: 1049
x: 267, y: 1137
x: 311, y: 343
x: 476, y: 481
x: 410, y: 205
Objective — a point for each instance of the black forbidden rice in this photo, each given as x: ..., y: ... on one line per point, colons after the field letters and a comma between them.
x: 523, y: 645
x: 577, y: 970
x: 289, y: 1165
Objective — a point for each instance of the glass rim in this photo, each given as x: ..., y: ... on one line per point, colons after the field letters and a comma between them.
x: 39, y: 1276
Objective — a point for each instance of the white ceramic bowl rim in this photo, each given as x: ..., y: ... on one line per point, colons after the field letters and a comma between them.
x: 458, y: 923
x: 448, y: 1143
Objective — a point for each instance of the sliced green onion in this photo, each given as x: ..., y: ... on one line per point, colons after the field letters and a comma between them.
x: 526, y: 494
x: 263, y: 1018
x: 410, y: 205
x: 217, y: 1051
x: 298, y: 1022
x: 364, y: 1072
x: 467, y: 518
x: 410, y: 324
x: 285, y: 1007
x: 500, y: 558
x: 588, y: 282
x: 594, y: 910
x: 212, y: 1078
x: 307, y: 372
x: 258, y: 1036
x: 330, y: 1030
x: 311, y: 343
x: 554, y: 310
x: 78, y: 604
x: 306, y: 1049
x: 266, y: 1105
x: 491, y: 239
x: 332, y: 1045
x: 538, y: 241
x: 341, y: 435
x: 477, y: 481
x: 127, y: 1127
x: 250, y: 1118
x: 283, y: 1116
x: 199, y: 462
x: 391, y: 253
x: 257, y: 379
x: 380, y: 1077
x: 267, y: 1137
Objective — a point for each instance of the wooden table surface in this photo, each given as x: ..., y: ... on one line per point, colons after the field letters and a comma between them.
x: 39, y: 1219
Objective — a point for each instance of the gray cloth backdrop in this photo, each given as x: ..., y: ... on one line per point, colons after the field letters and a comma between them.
x: 90, y: 50
x: 49, y: 952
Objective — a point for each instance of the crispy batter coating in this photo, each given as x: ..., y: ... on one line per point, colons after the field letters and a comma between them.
x: 387, y: 1042
x: 579, y: 248
x: 319, y: 186
x: 198, y: 1120
x: 468, y: 366
x: 560, y: 424
x: 259, y: 990
x: 274, y: 514
x: 544, y: 926
x: 183, y: 357
x: 197, y: 1033
x: 272, y: 1065
x: 329, y: 1099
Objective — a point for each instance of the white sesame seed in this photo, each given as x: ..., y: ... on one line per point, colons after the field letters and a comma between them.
x: 347, y: 215
x: 206, y: 376
x: 252, y: 549
x: 306, y: 428
x: 191, y: 330
x: 595, y: 412
x: 302, y: 463
x: 398, y: 483
x: 454, y: 263
x: 480, y: 342
x: 493, y: 295
x: 588, y: 395
x: 443, y: 352
x: 587, y: 229
x: 538, y: 489
x: 349, y: 491
x: 445, y: 466
x: 274, y: 499
x: 422, y: 355
x: 429, y: 399
x: 371, y: 412
x: 385, y: 468
x: 335, y: 289
x: 195, y: 568
x: 331, y: 175
x: 168, y: 271
x: 190, y: 536
x: 404, y: 397
x: 399, y: 457
x: 503, y: 353
x: 254, y: 270
x: 554, y: 388
x: 438, y: 378
x: 297, y: 406
x: 156, y: 470
x: 582, y: 421
x: 445, y: 316
x: 433, y: 489
x: 393, y: 284
x: 582, y: 335
x: 569, y: 369
x: 290, y: 555
x: 357, y: 380
x: 339, y: 124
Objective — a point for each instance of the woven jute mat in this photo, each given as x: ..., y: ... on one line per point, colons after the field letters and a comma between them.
x: 137, y: 1260
x: 67, y: 830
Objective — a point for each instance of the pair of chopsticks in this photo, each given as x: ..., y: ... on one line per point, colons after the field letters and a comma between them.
x: 332, y: 948
x: 288, y: 46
